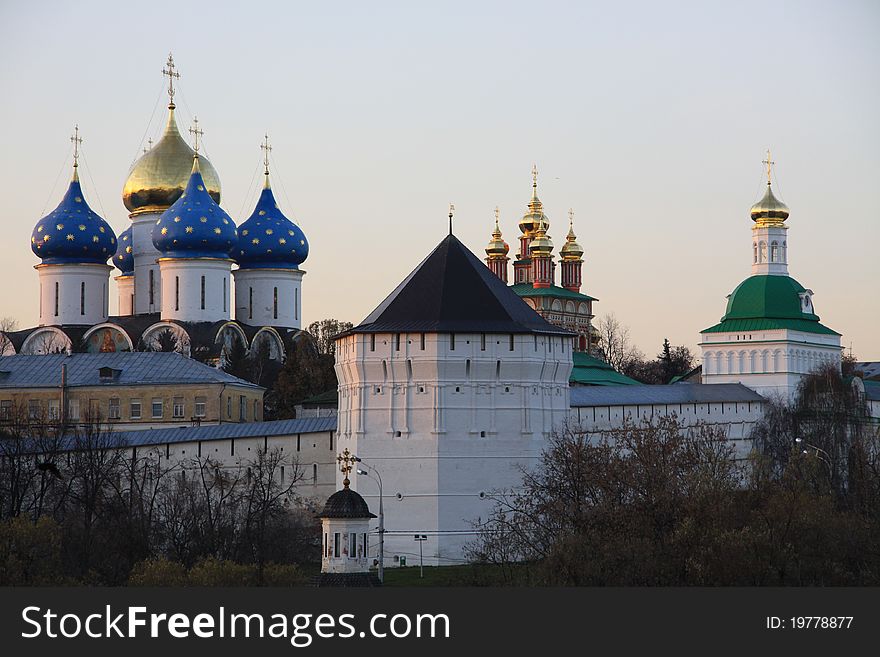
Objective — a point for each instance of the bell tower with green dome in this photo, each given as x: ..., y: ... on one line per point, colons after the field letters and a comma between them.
x: 770, y: 336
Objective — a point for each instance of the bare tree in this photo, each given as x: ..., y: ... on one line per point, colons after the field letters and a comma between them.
x: 7, y: 325
x: 614, y: 343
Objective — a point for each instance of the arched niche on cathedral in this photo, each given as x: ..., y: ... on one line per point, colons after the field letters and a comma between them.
x: 106, y: 338
x: 166, y: 336
x: 268, y: 341
x: 47, y: 340
x: 228, y: 336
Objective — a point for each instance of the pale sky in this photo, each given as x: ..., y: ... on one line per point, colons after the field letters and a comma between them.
x: 649, y: 119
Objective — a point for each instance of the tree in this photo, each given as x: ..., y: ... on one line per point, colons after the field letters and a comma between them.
x: 614, y: 343
x: 325, y: 332
x: 8, y: 325
x: 305, y: 373
x: 236, y: 361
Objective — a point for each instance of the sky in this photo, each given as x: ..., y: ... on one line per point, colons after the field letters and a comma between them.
x: 650, y: 120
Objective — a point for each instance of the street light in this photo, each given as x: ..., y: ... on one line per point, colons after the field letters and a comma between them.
x: 377, y: 479
x: 420, y: 538
x: 826, y: 459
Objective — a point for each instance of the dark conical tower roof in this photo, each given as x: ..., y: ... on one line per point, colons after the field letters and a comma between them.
x: 346, y: 503
x: 453, y: 291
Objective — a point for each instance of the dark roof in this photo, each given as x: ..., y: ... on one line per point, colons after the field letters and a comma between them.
x: 346, y: 503
x: 677, y: 393
x: 226, y: 431
x: 132, y: 368
x: 452, y: 291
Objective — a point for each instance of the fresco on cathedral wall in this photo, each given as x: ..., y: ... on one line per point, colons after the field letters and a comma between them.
x: 106, y: 340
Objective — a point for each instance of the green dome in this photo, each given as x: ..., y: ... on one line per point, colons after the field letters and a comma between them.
x: 768, y: 297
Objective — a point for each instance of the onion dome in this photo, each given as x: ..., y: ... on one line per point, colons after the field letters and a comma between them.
x: 497, y: 247
x: 769, y: 210
x: 571, y: 250
x: 195, y: 226
x: 541, y: 244
x: 268, y: 239
x: 530, y: 220
x: 159, y: 177
x: 73, y: 232
x: 124, y: 258
x: 346, y: 503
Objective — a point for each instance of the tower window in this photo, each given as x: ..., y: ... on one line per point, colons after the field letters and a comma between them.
x: 372, y: 342
x: 397, y: 342
x: 482, y: 342
x: 511, y: 342
x: 203, y: 292
x: 177, y: 293
x: 423, y: 341
x: 774, y: 252
x: 451, y: 339
x: 296, y: 303
x: 250, y: 303
x: 152, y: 287
x: 224, y: 294
x: 82, y: 298
x: 275, y: 302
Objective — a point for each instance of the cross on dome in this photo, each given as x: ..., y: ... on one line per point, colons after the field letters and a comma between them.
x: 346, y: 462
x: 769, y: 164
x: 196, y: 132
x: 266, y: 148
x: 171, y: 73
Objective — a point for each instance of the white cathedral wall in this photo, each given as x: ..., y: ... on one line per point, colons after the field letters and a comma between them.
x: 268, y: 297
x: 195, y: 289
x: 145, y: 260
x: 73, y: 293
x: 772, y: 362
x: 443, y: 425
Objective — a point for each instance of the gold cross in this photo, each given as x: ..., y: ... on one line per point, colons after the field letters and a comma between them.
x: 769, y: 164
x: 266, y: 150
x: 76, y: 140
x: 451, y: 212
x: 196, y: 133
x: 171, y: 73
x: 534, y: 175
x: 497, y: 213
x: 346, y: 462
x: 571, y: 216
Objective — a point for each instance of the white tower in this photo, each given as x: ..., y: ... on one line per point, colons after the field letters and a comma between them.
x: 345, y: 525
x: 74, y: 244
x: 448, y: 388
x: 770, y: 335
x: 270, y: 250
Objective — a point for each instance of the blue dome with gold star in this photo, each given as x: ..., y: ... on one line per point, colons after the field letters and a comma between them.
x: 73, y: 232
x: 268, y: 239
x: 124, y: 258
x: 195, y: 226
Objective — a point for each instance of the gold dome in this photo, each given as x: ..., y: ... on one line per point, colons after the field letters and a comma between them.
x: 571, y: 250
x: 497, y: 247
x: 529, y: 223
x: 769, y: 211
x: 541, y: 245
x: 159, y: 177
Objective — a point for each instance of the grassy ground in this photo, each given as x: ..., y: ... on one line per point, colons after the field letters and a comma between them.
x: 465, y: 575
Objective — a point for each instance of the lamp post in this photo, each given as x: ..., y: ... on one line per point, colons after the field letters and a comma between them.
x: 378, y: 480
x: 420, y: 538
x: 818, y: 450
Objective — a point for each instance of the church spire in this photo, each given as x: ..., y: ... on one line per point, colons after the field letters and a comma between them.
x: 496, y: 251
x: 769, y: 241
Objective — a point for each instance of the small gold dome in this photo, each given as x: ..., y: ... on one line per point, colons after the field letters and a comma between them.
x: 571, y: 250
x: 159, y: 177
x: 769, y: 210
x: 530, y: 220
x: 541, y: 245
x: 497, y: 247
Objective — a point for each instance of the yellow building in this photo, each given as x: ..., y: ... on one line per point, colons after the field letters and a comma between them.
x: 127, y: 390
